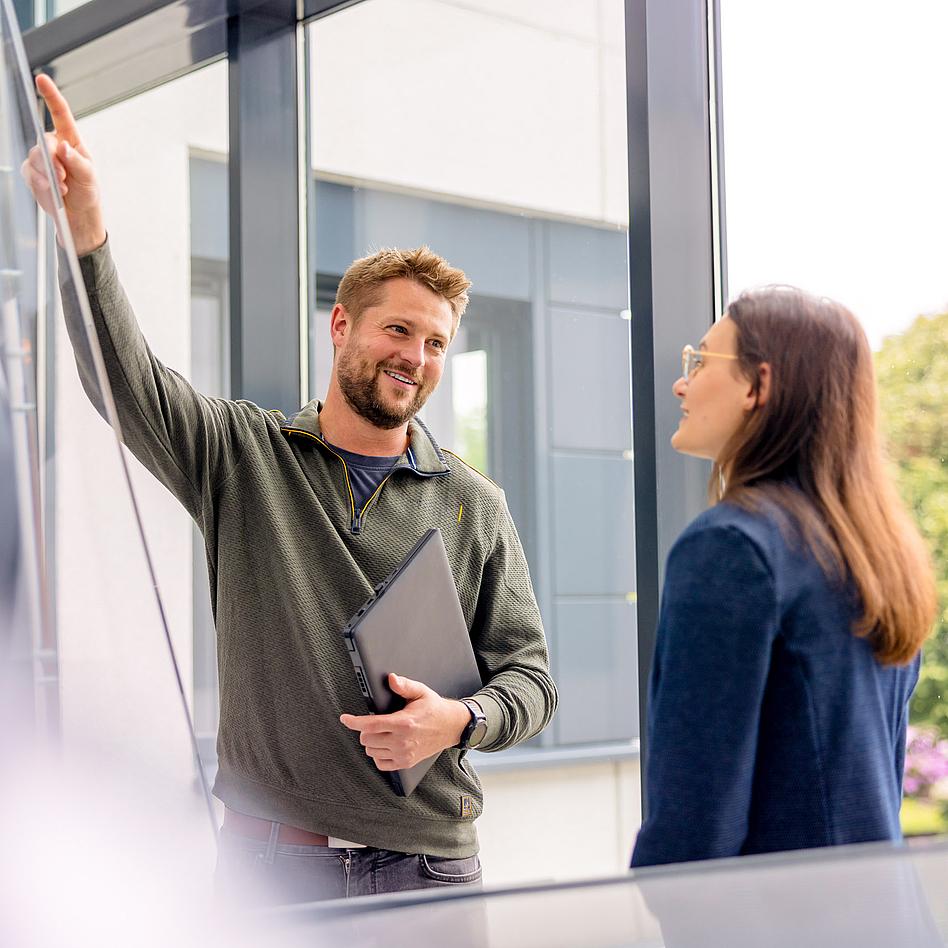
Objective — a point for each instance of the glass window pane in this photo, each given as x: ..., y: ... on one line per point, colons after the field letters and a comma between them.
x: 497, y: 136
x: 59, y: 7
x: 835, y: 182
x: 171, y: 252
x: 469, y: 400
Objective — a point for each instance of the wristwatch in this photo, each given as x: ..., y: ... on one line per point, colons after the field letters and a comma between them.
x: 476, y: 729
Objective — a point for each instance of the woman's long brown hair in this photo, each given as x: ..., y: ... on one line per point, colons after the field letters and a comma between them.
x: 814, y: 448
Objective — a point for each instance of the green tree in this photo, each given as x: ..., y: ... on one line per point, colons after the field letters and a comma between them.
x: 912, y: 370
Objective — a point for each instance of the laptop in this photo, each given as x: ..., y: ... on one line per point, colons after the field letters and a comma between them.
x: 413, y: 626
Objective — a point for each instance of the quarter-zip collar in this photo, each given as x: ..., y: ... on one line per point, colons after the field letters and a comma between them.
x: 423, y: 455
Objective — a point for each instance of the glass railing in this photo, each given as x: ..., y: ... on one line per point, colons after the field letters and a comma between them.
x: 869, y: 896
x: 97, y: 748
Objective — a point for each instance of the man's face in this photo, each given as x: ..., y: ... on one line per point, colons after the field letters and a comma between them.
x: 390, y: 360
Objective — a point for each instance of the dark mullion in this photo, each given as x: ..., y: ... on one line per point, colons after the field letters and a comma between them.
x: 317, y: 8
x: 718, y: 146
x: 96, y: 19
x: 671, y: 278
x: 88, y: 49
x: 264, y: 210
x: 643, y: 366
x: 85, y: 24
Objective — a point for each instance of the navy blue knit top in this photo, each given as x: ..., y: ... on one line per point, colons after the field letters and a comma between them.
x: 770, y: 725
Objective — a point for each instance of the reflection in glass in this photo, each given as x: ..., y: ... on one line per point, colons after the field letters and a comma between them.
x: 867, y: 896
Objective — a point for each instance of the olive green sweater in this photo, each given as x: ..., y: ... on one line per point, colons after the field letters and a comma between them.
x: 290, y: 561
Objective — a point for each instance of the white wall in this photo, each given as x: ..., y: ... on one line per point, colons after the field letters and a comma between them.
x: 555, y: 823
x: 515, y: 104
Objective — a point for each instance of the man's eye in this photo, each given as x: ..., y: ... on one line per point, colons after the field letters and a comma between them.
x: 398, y: 329
x: 437, y: 343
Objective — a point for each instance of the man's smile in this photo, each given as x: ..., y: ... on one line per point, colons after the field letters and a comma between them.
x: 398, y: 377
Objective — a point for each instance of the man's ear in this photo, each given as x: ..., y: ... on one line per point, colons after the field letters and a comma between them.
x: 340, y: 322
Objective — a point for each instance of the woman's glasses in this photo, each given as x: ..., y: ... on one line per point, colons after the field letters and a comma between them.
x: 691, y: 358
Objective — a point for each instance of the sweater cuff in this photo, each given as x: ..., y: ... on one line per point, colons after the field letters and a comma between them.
x: 496, y: 719
x: 97, y: 267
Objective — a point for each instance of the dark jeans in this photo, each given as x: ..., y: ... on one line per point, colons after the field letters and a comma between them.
x: 270, y: 873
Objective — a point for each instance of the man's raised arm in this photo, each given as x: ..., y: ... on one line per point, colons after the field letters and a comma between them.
x: 188, y: 441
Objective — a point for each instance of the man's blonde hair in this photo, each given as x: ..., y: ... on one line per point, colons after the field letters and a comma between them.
x: 361, y: 285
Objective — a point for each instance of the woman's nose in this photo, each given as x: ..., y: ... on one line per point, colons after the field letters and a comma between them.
x: 680, y: 387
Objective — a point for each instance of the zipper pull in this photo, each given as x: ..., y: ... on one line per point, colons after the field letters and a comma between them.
x: 357, y: 524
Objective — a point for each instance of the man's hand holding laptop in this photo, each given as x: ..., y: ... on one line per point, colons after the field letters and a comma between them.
x: 427, y: 725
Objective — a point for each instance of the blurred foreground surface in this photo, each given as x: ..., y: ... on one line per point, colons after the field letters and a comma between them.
x: 869, y: 896
x: 91, y: 858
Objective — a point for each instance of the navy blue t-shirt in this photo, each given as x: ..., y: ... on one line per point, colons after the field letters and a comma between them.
x: 365, y: 473
x: 771, y: 726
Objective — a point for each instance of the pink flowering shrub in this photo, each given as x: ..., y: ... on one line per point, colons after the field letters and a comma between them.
x: 926, y: 765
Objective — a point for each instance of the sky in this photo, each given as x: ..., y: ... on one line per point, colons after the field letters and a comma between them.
x: 835, y: 122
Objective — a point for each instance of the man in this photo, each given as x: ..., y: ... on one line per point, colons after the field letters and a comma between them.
x: 302, y: 516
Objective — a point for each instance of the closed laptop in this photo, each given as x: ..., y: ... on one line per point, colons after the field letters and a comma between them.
x: 413, y: 626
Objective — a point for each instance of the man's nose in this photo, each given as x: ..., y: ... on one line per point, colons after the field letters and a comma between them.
x: 413, y: 352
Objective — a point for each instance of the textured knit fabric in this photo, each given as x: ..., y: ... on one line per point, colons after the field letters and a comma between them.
x: 771, y: 726
x: 291, y: 559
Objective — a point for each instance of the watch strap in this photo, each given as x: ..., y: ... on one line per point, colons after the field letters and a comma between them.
x: 477, y: 717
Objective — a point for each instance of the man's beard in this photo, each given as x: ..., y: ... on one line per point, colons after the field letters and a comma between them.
x: 359, y: 382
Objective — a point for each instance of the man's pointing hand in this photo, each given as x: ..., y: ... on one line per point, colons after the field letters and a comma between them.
x: 73, y: 170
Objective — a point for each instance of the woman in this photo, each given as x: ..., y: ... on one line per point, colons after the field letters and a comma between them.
x: 794, y: 609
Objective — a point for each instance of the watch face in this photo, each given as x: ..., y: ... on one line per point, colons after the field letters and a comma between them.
x: 478, y: 734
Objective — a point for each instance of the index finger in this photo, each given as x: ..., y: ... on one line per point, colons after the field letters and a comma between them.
x: 63, y: 120
x: 367, y: 723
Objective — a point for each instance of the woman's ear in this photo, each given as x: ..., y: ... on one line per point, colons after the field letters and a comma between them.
x: 763, y: 387
x: 758, y: 394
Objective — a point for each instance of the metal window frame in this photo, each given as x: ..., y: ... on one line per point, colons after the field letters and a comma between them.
x: 672, y: 278
x: 267, y: 208
x: 674, y: 218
